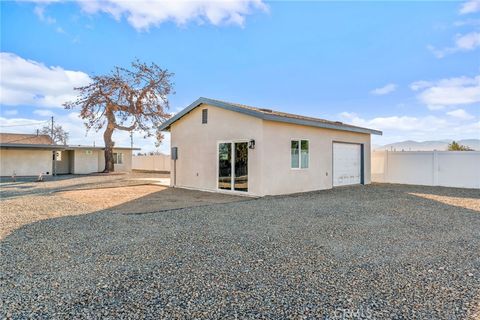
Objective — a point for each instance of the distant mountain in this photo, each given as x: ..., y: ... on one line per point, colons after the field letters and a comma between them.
x: 439, y: 145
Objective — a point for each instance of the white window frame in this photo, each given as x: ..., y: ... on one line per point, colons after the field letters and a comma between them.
x: 299, y: 154
x: 115, y: 158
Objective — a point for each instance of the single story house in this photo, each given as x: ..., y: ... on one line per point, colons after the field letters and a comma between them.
x: 221, y: 146
x: 31, y: 155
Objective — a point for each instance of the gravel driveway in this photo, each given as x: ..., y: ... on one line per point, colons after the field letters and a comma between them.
x: 28, y: 186
x: 378, y: 251
x: 24, y: 203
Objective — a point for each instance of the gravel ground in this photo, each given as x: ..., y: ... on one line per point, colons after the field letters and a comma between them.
x: 76, y: 196
x: 28, y: 186
x: 376, y: 252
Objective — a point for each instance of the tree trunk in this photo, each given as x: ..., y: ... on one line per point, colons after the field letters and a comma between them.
x: 107, y: 138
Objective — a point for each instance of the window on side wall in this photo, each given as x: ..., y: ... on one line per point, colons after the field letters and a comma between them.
x: 117, y: 158
x: 299, y: 152
x: 204, y: 116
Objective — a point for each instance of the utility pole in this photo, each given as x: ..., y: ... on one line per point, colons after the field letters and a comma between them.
x: 54, y: 171
x: 51, y: 130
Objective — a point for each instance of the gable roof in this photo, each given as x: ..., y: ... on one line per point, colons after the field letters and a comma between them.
x: 21, y: 138
x: 267, y: 114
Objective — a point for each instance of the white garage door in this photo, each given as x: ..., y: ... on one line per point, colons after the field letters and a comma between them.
x: 347, y: 164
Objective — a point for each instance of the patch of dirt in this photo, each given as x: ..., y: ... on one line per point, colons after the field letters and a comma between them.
x: 467, y: 203
x: 19, y: 211
x: 104, y: 198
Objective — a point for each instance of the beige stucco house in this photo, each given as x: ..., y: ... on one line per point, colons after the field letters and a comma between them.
x: 229, y: 147
x: 31, y: 155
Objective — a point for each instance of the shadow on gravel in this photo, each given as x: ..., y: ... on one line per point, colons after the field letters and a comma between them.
x: 70, y: 182
x: 170, y: 199
x: 372, y: 250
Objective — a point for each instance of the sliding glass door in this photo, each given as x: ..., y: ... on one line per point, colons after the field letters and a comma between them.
x: 241, y: 166
x: 233, y: 166
x: 225, y: 166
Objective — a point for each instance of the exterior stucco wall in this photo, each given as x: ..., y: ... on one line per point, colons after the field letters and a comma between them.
x: 85, y: 161
x: 25, y: 162
x: 63, y: 166
x: 197, y: 143
x: 101, y: 160
x: 269, y: 171
x: 126, y: 166
x: 279, y: 178
x: 32, y: 162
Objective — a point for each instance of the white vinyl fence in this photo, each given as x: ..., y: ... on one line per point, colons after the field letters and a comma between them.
x: 159, y: 162
x: 432, y: 168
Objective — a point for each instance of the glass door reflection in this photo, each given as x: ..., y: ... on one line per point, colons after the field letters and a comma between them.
x: 241, y: 167
x: 233, y: 166
x: 225, y: 166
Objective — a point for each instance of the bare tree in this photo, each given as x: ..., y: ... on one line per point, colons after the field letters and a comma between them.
x: 133, y: 99
x: 59, y: 136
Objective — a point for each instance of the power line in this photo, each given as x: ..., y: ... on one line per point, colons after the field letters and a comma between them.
x: 24, y: 125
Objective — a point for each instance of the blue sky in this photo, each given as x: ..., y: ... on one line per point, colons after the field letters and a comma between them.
x: 411, y: 69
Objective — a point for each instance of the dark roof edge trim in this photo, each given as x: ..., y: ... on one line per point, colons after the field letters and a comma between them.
x: 56, y: 147
x: 270, y: 117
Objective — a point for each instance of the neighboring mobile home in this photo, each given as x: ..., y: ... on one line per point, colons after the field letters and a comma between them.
x: 31, y: 154
x: 223, y: 146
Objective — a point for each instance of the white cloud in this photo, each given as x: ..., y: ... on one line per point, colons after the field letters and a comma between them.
x: 399, y: 128
x: 400, y: 123
x: 40, y: 13
x: 145, y: 14
x: 469, y: 22
x: 422, y: 84
x: 460, y: 114
x: 386, y: 89
x: 20, y: 125
x: 43, y: 113
x: 434, y: 107
x: 463, y: 43
x: 11, y: 112
x: 468, y: 41
x: 447, y: 92
x: 470, y: 6
x: 27, y: 82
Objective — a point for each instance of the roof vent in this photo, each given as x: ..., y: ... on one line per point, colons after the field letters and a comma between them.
x: 338, y: 122
x: 266, y: 110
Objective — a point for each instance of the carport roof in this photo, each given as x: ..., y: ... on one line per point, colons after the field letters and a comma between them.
x: 270, y: 115
x: 55, y: 147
